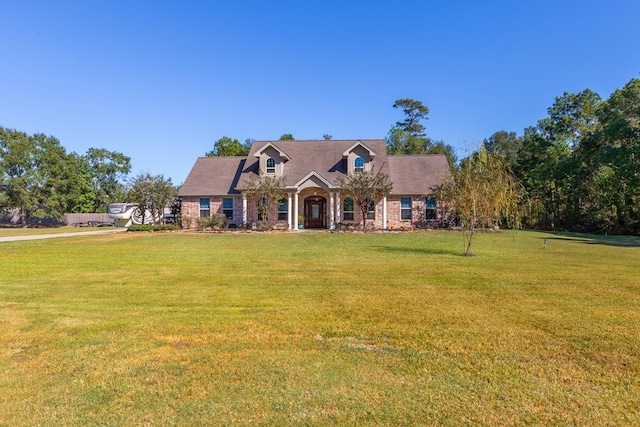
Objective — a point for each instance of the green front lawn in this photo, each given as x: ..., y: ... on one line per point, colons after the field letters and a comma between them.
x: 320, y: 329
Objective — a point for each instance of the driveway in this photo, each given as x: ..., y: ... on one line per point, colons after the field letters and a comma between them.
x: 53, y: 236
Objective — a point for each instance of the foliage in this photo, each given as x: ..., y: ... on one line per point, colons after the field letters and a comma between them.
x: 366, y: 189
x: 226, y: 146
x: 286, y: 137
x: 414, y: 111
x: 218, y: 221
x: 151, y: 193
x: 579, y: 165
x: 327, y: 137
x: 483, y: 193
x: 108, y: 171
x: 34, y: 175
x: 156, y: 227
x: 40, y: 179
x: 202, y: 223
x: 265, y: 190
x: 180, y: 329
x: 408, y: 136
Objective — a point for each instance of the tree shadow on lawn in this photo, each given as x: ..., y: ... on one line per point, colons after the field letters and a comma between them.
x: 421, y: 251
x: 596, y: 239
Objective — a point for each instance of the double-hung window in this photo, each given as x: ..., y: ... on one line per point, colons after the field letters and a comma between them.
x: 405, y: 208
x: 347, y: 209
x: 430, y: 205
x: 283, y: 206
x: 205, y: 208
x: 227, y: 207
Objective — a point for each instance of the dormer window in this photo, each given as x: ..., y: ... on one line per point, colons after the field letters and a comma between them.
x: 271, y: 166
x: 358, y: 165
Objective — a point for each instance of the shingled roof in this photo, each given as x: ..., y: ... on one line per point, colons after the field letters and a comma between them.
x: 325, y: 158
x: 412, y: 174
x: 417, y: 174
x: 213, y: 176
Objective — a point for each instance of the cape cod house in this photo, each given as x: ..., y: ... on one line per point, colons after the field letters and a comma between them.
x: 312, y: 196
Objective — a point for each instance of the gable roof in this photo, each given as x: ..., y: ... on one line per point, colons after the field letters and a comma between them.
x: 322, y: 156
x: 281, y: 153
x: 359, y: 144
x: 409, y: 174
x: 417, y: 174
x: 213, y: 176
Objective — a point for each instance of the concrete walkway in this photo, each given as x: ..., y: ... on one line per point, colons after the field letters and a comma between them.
x: 53, y: 236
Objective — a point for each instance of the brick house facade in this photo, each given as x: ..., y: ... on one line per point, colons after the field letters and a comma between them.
x: 311, y: 197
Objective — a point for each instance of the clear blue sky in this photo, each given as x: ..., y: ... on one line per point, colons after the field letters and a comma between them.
x: 160, y: 81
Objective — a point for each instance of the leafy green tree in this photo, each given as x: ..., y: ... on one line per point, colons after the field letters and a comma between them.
x: 367, y: 189
x: 483, y: 193
x: 617, y: 148
x: 440, y: 147
x: 18, y: 165
x: 80, y: 190
x: 414, y: 111
x: 35, y: 175
x: 327, y: 137
x: 286, y: 137
x: 226, y: 146
x: 505, y: 144
x: 109, y: 171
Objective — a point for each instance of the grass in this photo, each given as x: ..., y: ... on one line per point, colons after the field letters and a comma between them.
x: 321, y: 329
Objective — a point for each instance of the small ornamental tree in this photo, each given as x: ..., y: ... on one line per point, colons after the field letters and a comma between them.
x: 151, y: 193
x: 266, y: 190
x: 366, y: 188
x: 483, y: 193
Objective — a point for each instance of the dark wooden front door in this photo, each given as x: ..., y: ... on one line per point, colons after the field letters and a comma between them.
x: 314, y: 212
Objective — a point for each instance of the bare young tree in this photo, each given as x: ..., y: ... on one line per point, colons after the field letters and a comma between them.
x: 483, y: 193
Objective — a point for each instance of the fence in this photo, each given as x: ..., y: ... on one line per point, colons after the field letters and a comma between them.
x: 87, y: 218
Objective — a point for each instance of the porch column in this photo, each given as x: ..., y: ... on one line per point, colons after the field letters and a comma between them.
x: 295, y: 211
x: 384, y: 213
x: 244, y: 209
x: 289, y: 210
x: 332, y: 210
x: 338, y: 210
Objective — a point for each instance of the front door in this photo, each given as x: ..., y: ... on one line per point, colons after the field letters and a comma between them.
x: 314, y: 212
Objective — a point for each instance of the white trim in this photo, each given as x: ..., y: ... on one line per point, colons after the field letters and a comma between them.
x: 289, y: 210
x: 308, y: 176
x: 295, y: 211
x: 384, y: 213
x: 331, y: 212
x: 282, y: 154
x: 372, y: 153
x: 244, y: 208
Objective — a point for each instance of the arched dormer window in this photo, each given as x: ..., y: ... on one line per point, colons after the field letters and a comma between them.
x: 358, y: 165
x: 271, y: 165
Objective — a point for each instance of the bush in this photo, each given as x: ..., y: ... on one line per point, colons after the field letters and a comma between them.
x: 219, y: 221
x: 140, y: 227
x: 203, y: 223
x: 159, y: 227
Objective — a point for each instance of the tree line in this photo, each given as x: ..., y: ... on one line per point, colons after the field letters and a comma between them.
x: 39, y: 179
x: 577, y: 169
x: 580, y: 165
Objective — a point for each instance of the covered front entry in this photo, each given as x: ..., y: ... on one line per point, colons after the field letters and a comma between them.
x: 314, y: 212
